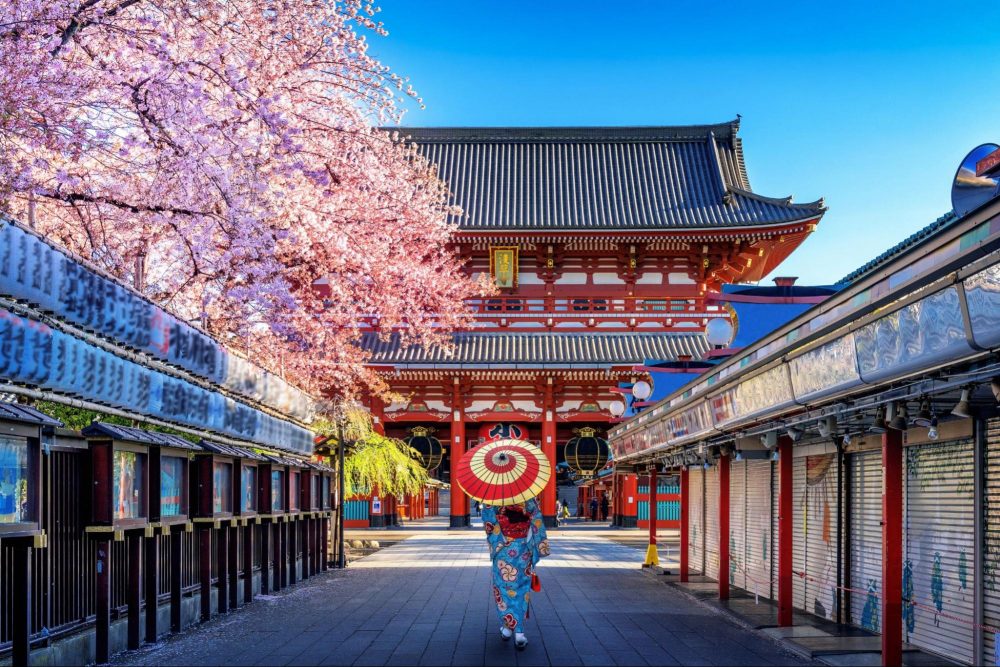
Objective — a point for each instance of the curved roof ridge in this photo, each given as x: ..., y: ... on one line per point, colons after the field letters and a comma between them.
x: 819, y: 204
x: 724, y: 130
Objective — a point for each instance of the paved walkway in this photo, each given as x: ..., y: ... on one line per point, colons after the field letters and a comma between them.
x: 426, y: 601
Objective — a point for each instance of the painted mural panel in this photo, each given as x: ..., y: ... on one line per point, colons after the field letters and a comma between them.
x: 172, y: 483
x: 830, y: 368
x: 982, y: 291
x: 820, y: 531
x: 865, y: 507
x: 13, y: 480
x: 938, y: 572
x: 918, y: 335
x: 127, y: 475
x: 991, y: 534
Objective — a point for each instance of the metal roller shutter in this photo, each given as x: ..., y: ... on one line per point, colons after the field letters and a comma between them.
x: 991, y: 546
x: 865, y: 502
x: 799, y: 533
x: 737, y: 524
x: 712, y: 522
x: 696, y: 519
x: 820, y: 529
x: 759, y: 542
x: 939, y: 548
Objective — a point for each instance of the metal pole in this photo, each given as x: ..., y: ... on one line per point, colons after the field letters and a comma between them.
x: 341, y: 561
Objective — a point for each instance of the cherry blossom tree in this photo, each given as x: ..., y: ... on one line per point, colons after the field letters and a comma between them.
x: 223, y: 155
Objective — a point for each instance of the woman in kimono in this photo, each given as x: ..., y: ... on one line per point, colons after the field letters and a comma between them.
x: 517, y: 540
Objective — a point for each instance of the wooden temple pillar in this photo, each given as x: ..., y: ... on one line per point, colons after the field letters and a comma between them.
x: 459, y: 501
x: 549, y: 449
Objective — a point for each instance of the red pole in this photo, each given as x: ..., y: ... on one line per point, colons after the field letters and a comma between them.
x: 459, y: 501
x: 652, y: 556
x: 724, y: 527
x: 549, y: 449
x: 685, y: 498
x: 892, y: 547
x: 785, y: 524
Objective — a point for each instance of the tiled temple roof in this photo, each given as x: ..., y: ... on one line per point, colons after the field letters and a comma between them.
x: 899, y: 248
x: 512, y: 350
x: 601, y: 178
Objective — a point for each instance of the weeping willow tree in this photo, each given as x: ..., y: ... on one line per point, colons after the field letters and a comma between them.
x: 372, y: 460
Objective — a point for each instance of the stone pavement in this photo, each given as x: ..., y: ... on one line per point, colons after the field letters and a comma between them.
x: 427, y: 601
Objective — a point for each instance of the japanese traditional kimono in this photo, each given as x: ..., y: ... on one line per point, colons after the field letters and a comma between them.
x: 516, y: 535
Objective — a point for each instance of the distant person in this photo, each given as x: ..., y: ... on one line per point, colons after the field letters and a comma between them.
x: 593, y: 509
x: 558, y: 510
x: 604, y: 507
x: 479, y: 509
x: 565, y: 510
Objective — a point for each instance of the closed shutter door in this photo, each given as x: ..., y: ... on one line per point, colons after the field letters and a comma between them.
x: 865, y: 501
x: 712, y: 522
x: 991, y: 557
x: 820, y: 527
x: 696, y: 519
x: 758, y: 529
x: 799, y: 533
x: 737, y: 524
x: 939, y: 548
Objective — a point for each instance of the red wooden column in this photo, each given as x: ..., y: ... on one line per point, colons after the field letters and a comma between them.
x: 629, y: 501
x: 459, y: 501
x: 377, y: 409
x: 549, y: 449
x: 892, y: 547
x: 785, y: 525
x: 685, y: 499
x: 724, y: 527
x: 652, y: 556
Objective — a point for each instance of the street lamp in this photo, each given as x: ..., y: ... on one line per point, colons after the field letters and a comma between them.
x: 617, y: 409
x: 641, y: 390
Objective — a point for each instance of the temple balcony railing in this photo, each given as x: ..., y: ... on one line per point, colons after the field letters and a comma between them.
x: 513, y: 304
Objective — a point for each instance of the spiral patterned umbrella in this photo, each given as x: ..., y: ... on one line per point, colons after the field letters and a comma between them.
x: 504, y: 472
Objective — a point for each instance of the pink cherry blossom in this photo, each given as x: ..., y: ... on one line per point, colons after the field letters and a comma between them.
x: 221, y: 155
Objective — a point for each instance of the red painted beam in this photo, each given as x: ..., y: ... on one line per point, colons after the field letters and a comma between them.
x: 724, y: 528
x: 892, y: 547
x: 685, y: 522
x: 785, y: 526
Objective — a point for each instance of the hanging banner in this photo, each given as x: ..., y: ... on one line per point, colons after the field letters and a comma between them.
x: 34, y: 354
x: 37, y: 273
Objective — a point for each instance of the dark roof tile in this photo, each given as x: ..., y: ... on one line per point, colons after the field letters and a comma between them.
x: 595, y: 178
x: 543, y: 348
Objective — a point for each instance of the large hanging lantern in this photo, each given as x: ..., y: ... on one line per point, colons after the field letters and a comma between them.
x: 586, y: 453
x: 427, y: 446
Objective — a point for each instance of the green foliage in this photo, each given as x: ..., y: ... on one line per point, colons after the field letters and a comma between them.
x: 384, y: 463
x: 78, y: 418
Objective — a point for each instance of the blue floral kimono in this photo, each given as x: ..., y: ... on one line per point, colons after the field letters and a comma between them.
x: 516, y: 535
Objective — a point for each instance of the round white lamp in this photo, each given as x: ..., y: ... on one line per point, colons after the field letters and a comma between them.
x: 641, y: 390
x: 617, y: 408
x: 719, y: 332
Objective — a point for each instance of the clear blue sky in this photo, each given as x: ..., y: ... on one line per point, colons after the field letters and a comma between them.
x: 869, y: 104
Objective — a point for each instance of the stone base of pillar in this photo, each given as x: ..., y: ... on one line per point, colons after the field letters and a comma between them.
x: 459, y: 521
x: 550, y: 520
x: 628, y: 522
x: 378, y: 521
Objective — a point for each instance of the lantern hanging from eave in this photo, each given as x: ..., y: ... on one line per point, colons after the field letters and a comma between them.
x: 586, y: 453
x: 428, y: 447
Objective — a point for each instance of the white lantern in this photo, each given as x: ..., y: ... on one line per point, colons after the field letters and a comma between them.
x: 719, y: 332
x: 617, y: 409
x: 641, y: 390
